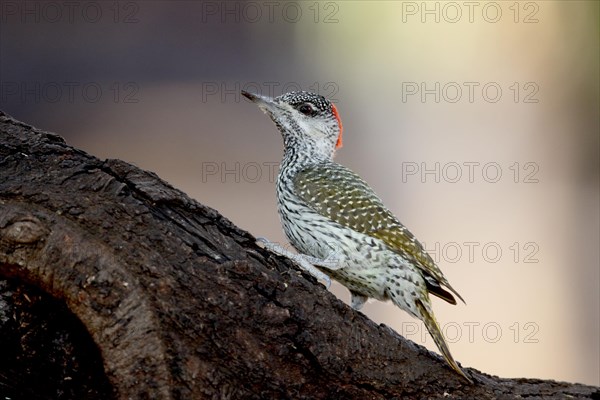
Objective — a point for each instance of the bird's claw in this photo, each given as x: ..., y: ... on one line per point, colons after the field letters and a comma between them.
x: 305, y: 262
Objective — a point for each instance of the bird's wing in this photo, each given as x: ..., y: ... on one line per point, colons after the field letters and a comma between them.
x: 338, y: 193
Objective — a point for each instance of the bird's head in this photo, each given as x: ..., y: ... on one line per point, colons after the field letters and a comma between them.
x: 307, y: 121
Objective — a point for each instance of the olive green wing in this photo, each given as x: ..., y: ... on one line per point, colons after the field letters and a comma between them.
x: 338, y: 193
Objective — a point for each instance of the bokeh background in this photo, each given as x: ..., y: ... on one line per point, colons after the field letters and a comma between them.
x: 477, y: 123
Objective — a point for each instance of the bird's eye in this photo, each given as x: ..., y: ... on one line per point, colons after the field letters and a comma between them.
x: 307, y: 109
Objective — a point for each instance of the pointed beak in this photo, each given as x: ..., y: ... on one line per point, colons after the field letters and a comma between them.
x: 251, y: 96
x: 264, y: 102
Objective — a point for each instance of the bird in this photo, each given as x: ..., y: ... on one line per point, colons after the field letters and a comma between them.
x: 337, y: 223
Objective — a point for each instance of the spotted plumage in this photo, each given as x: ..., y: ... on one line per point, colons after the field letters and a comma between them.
x: 327, y: 211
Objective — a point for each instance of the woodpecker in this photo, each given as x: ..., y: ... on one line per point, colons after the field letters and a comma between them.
x: 339, y: 225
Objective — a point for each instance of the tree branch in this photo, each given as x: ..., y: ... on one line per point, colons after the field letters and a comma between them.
x: 134, y: 290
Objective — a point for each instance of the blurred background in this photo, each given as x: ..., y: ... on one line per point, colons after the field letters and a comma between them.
x: 476, y: 122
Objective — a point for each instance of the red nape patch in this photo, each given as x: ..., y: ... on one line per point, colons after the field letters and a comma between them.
x: 339, y: 121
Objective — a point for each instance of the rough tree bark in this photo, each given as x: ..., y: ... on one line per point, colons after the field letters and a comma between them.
x: 113, y: 284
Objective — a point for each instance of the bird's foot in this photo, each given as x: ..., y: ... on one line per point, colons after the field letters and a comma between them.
x: 304, y: 261
x: 357, y: 300
x: 331, y: 262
